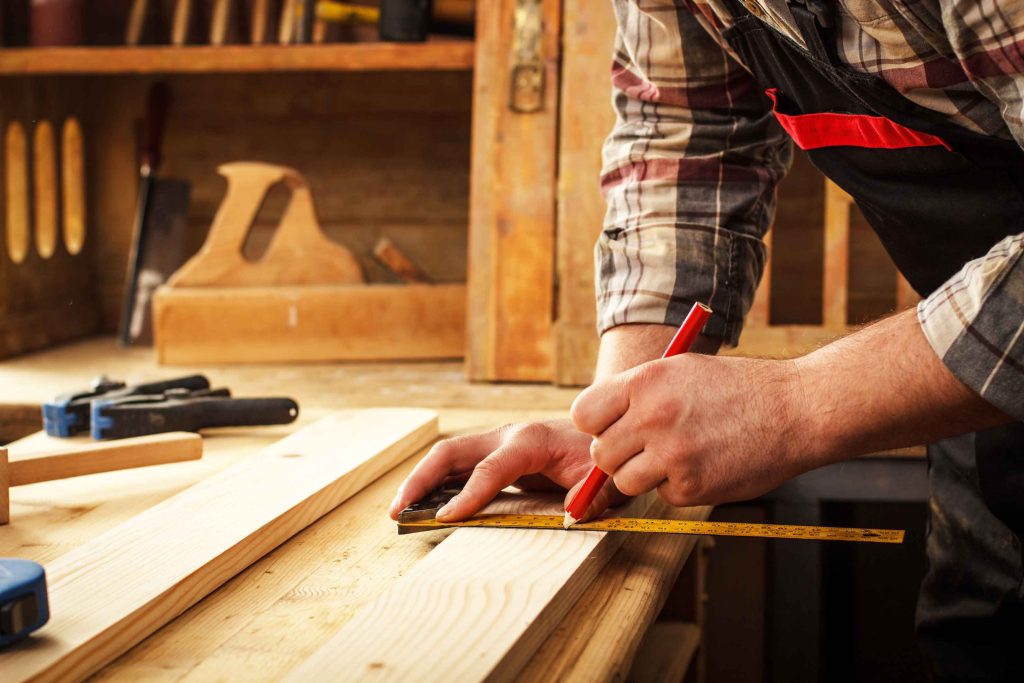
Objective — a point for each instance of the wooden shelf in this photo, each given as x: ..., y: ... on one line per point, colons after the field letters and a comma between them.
x: 436, y: 55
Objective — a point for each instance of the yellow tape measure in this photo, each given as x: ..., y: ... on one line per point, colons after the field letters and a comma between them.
x: 667, y: 526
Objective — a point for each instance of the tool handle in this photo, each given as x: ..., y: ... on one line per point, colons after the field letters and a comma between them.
x: 241, y: 412
x: 158, y: 103
x: 190, y: 382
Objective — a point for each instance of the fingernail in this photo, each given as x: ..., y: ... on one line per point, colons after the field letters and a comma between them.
x: 446, y: 509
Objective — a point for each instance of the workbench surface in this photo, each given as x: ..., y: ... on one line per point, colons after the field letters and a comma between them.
x: 277, y: 612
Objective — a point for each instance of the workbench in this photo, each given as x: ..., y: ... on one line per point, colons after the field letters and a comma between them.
x: 274, y: 614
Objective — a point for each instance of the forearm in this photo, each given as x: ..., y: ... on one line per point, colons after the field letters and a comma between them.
x: 627, y: 346
x: 880, y: 388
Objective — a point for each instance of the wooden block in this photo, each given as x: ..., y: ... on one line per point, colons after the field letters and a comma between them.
x: 512, y: 202
x: 314, y: 323
x: 633, y: 586
x: 50, y: 459
x: 666, y: 653
x: 492, y: 595
x: 115, y: 590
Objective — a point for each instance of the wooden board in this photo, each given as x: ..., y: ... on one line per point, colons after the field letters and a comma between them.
x: 492, y: 595
x: 314, y: 323
x: 634, y: 586
x: 111, y: 592
x: 512, y: 206
x: 41, y: 458
x: 586, y: 119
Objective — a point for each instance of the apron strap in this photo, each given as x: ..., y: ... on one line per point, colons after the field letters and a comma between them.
x: 815, y: 19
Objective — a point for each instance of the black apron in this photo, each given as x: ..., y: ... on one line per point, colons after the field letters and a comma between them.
x: 938, y: 195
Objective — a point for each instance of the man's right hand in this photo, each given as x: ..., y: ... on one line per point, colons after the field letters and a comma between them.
x: 533, y: 455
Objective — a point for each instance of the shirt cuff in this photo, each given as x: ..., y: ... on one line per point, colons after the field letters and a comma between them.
x: 655, y: 277
x: 975, y: 324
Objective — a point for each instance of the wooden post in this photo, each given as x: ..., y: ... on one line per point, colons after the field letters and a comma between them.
x: 586, y: 119
x: 837, y: 255
x: 512, y: 191
x: 760, y: 310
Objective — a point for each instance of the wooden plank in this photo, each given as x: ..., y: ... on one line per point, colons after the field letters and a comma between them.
x: 666, y: 653
x: 837, y: 255
x: 112, y: 592
x: 586, y: 119
x: 17, y: 191
x: 633, y: 586
x: 512, y: 206
x: 47, y: 459
x: 449, y: 54
x: 181, y: 22
x: 497, y: 592
x: 308, y: 323
x: 783, y: 341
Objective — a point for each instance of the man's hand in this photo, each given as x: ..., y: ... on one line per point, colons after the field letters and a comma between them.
x: 700, y: 430
x: 534, y: 455
x: 708, y: 430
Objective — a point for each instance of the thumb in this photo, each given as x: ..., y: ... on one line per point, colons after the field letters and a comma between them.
x: 605, y: 498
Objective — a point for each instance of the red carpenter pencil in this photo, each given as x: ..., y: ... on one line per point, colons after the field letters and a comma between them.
x: 681, y: 342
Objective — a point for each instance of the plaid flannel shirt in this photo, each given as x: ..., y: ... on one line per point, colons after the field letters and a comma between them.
x: 691, y: 165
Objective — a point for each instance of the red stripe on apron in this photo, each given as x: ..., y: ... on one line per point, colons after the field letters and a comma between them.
x: 814, y: 131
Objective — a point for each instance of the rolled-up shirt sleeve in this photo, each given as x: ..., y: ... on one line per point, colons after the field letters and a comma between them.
x: 689, y: 176
x: 975, y: 323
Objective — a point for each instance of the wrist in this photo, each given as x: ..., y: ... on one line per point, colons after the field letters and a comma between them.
x: 812, y: 413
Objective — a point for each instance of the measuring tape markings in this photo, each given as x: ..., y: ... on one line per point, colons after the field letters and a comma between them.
x: 669, y: 526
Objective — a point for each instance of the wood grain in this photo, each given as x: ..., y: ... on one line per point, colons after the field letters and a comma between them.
x: 512, y: 207
x: 5, y: 488
x: 634, y: 586
x: 43, y: 458
x: 586, y: 119
x: 311, y: 323
x: 497, y: 595
x: 195, y: 541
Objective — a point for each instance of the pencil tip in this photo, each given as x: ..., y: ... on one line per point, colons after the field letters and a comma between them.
x: 568, y: 520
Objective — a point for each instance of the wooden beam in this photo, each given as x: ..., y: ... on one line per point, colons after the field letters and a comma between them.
x: 633, y: 586
x: 493, y: 596
x: 112, y: 592
x: 512, y: 196
x: 586, y: 119
x: 59, y: 459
